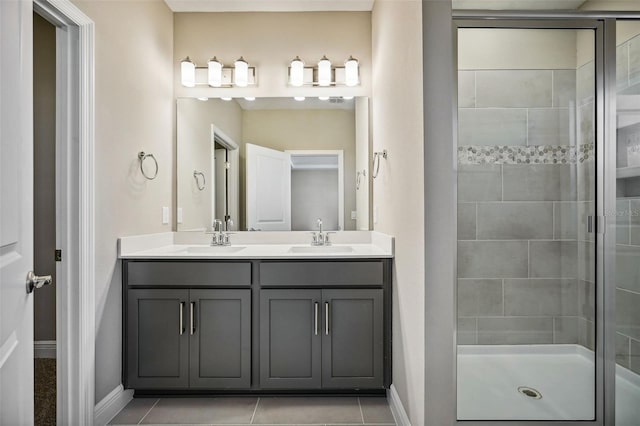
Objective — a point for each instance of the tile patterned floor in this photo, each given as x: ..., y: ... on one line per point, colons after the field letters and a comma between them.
x: 265, y: 411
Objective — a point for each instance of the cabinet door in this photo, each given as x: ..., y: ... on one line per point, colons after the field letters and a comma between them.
x: 157, y: 339
x: 352, y: 339
x: 220, y: 339
x: 290, y: 339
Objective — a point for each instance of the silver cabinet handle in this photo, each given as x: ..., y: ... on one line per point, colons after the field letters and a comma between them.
x: 326, y: 313
x: 192, y: 326
x: 315, y: 305
x: 181, y: 318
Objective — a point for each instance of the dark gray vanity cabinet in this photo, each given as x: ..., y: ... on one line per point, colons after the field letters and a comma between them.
x: 256, y: 325
x: 352, y: 339
x: 312, y: 339
x: 157, y: 341
x: 220, y: 339
x: 290, y: 339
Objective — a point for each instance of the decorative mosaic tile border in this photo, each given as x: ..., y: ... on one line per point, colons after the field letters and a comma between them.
x: 539, y: 154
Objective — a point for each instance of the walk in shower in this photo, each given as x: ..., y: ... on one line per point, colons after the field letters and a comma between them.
x: 531, y: 194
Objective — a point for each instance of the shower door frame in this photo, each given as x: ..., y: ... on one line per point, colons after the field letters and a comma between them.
x: 605, y: 157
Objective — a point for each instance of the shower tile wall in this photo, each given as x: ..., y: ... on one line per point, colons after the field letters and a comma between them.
x: 521, y: 277
x: 628, y: 224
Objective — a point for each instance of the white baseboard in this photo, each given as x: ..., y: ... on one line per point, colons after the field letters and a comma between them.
x: 44, y: 349
x: 110, y: 405
x: 397, y: 409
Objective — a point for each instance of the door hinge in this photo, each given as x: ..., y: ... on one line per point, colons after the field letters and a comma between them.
x: 58, y: 255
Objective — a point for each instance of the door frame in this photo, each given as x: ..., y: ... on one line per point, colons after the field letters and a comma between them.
x: 75, y: 205
x: 605, y: 306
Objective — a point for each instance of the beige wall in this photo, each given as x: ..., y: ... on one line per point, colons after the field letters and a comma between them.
x: 194, y: 120
x: 269, y: 41
x: 304, y: 129
x: 398, y: 192
x: 134, y: 112
x: 44, y: 151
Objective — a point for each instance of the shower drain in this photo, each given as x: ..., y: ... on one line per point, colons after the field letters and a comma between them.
x: 530, y: 392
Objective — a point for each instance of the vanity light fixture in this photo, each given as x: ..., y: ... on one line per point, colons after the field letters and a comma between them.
x: 351, y: 75
x: 323, y: 98
x: 250, y: 98
x: 241, y: 74
x: 188, y: 72
x: 296, y: 73
x: 226, y: 98
x: 324, y: 74
x: 299, y: 98
x: 203, y: 99
x: 215, y: 74
x: 347, y: 98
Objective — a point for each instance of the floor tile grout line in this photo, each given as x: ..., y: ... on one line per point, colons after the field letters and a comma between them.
x: 254, y: 411
x: 361, y: 414
x: 152, y: 407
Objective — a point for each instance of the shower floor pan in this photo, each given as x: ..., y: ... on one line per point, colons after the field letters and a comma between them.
x: 537, y: 382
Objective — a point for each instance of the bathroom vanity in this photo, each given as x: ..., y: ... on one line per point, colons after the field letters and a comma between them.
x: 255, y: 318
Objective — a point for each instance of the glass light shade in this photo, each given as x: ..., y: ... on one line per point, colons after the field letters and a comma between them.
x: 323, y: 98
x: 241, y: 73
x: 347, y: 98
x: 324, y: 72
x: 188, y: 73
x: 351, y: 72
x: 226, y: 98
x: 215, y: 72
x: 296, y: 76
x: 250, y: 98
x: 299, y: 98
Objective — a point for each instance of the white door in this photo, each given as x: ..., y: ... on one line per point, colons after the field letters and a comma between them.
x: 268, y: 189
x: 16, y: 217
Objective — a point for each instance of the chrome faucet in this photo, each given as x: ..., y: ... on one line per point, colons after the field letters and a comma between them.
x: 220, y: 237
x: 320, y: 238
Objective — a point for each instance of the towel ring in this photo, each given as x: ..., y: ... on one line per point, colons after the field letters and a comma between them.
x: 359, y: 176
x: 376, y: 161
x: 204, y: 181
x: 143, y: 156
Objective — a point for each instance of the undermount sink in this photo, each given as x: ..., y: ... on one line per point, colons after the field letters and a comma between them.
x: 321, y: 249
x: 213, y: 249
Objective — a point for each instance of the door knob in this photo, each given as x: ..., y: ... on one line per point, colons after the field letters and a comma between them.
x: 35, y: 281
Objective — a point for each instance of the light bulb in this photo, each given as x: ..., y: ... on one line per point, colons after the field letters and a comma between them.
x: 215, y: 72
x: 241, y: 73
x: 324, y: 72
x: 188, y: 73
x: 351, y: 72
x: 296, y: 77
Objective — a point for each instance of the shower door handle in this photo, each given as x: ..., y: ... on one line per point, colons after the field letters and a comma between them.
x: 590, y: 224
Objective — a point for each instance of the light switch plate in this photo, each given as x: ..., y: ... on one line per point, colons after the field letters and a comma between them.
x: 179, y: 214
x: 354, y: 215
x: 165, y: 215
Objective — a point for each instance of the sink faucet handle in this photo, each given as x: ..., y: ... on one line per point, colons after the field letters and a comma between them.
x: 229, y: 223
x: 327, y: 241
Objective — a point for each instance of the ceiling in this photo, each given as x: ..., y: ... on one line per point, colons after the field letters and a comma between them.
x: 269, y: 5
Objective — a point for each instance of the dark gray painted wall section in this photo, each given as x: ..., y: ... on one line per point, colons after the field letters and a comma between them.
x: 439, y: 93
x: 44, y: 166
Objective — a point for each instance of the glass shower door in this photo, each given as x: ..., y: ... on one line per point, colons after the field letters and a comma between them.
x: 526, y: 248
x: 627, y: 261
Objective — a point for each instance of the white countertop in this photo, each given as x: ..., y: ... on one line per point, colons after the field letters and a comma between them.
x: 256, y: 245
